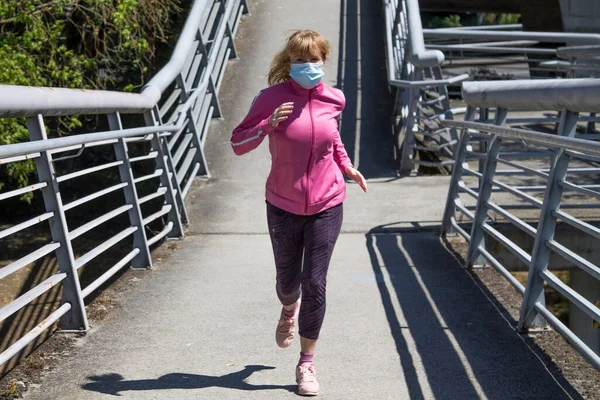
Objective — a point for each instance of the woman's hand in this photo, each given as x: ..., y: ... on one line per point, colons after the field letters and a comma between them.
x: 281, y: 113
x: 357, y: 177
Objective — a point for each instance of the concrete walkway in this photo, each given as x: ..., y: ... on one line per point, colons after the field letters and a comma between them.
x: 404, y: 320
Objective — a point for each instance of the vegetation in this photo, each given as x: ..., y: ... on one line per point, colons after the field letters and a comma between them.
x: 93, y: 44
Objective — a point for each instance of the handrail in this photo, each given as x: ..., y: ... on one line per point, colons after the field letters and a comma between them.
x: 581, y: 95
x: 419, y: 56
x: 481, y: 34
x: 538, y: 138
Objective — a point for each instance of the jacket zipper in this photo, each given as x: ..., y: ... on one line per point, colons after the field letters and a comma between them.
x: 312, y: 139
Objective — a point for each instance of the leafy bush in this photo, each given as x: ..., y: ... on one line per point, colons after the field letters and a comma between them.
x: 90, y: 44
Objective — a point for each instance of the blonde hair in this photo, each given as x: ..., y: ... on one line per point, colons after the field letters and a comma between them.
x: 303, y: 43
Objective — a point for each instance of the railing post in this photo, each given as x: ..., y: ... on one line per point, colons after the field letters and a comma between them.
x: 168, y: 178
x: 534, y: 291
x: 460, y: 157
x: 200, y: 157
x: 143, y: 260
x: 211, y: 84
x: 76, y: 319
x: 406, y: 140
x: 485, y: 192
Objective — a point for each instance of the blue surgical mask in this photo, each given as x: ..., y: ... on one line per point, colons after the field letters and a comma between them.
x: 307, y: 75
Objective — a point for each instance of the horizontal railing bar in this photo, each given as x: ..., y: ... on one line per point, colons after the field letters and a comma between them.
x: 576, y: 223
x: 94, y: 196
x: 150, y: 156
x: 543, y: 37
x: 542, y: 139
x: 98, y: 221
x: 28, y: 259
x: 525, y: 227
x: 189, y: 158
x: 11, y: 150
x: 86, y: 145
x: 503, y: 271
x: 539, y: 173
x: 88, y: 171
x: 168, y: 228
x: 30, y: 295
x: 463, y: 209
x: 19, y: 158
x: 24, y: 225
x: 182, y: 148
x: 580, y: 189
x: 572, y: 338
x: 110, y: 273
x: 581, y: 302
x: 169, y: 102
x: 155, y: 174
x: 18, y: 192
x: 164, y: 210
x: 459, y: 229
x: 574, y: 258
x: 582, y: 156
x: 469, y: 191
x: 95, y: 252
x: 492, y: 49
x: 516, y: 250
x: 33, y: 334
x: 469, y: 171
x: 161, y: 191
x: 190, y: 181
x: 173, y: 141
x: 531, y: 200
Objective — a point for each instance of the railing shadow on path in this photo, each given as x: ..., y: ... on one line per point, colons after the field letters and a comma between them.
x: 114, y: 384
x: 451, y: 340
x: 366, y: 123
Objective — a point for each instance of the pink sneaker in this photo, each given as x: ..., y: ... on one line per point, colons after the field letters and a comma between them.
x: 284, y: 335
x: 306, y: 378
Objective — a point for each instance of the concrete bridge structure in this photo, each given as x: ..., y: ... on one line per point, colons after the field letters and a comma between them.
x: 405, y: 319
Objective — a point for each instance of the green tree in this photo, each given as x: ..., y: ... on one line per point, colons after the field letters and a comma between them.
x: 89, y: 44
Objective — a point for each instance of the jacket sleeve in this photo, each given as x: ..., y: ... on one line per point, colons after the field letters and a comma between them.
x: 250, y: 133
x: 339, y: 151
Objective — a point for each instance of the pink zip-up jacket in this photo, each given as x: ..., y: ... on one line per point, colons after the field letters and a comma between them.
x: 307, y: 154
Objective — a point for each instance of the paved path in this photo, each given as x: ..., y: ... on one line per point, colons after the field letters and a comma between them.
x: 404, y: 320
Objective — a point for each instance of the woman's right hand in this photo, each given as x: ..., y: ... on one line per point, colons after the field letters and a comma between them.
x: 281, y: 113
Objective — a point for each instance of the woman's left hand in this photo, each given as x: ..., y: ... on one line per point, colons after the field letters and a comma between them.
x: 357, y: 177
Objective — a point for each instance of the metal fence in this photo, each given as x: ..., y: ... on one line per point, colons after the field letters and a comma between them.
x: 177, y: 106
x: 487, y: 53
x: 422, y: 98
x: 547, y: 178
x: 426, y: 66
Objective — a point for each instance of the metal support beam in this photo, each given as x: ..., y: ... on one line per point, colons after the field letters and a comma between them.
x: 168, y: 179
x: 460, y: 156
x: 75, y: 320
x: 485, y: 192
x: 143, y: 259
x: 541, y: 253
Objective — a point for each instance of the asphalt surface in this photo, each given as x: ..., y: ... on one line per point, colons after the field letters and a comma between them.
x: 404, y: 319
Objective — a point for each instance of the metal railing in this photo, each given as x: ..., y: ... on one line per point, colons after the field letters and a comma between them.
x: 487, y: 53
x: 556, y: 181
x: 421, y: 99
x: 426, y: 65
x: 177, y: 106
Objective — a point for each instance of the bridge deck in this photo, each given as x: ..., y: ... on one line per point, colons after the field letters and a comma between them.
x: 404, y: 320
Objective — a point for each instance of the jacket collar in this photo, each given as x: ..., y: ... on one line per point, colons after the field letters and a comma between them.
x: 303, y: 91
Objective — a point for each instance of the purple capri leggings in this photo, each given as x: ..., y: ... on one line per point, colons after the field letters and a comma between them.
x: 313, y: 236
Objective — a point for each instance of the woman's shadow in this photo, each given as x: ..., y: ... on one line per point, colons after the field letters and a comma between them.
x: 114, y: 383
